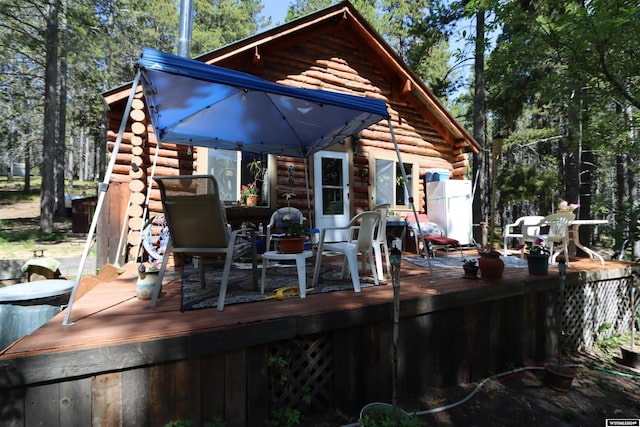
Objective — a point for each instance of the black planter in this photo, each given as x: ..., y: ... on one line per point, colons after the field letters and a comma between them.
x: 538, y: 264
x: 471, y: 271
x: 631, y: 356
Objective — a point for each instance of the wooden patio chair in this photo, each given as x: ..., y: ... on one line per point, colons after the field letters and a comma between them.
x: 365, y: 225
x: 433, y: 234
x: 197, y: 222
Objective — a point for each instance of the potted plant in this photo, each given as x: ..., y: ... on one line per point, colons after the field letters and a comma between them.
x: 491, y: 266
x: 470, y: 266
x: 566, y: 207
x: 294, y: 237
x: 258, y: 169
x: 249, y: 194
x: 538, y: 258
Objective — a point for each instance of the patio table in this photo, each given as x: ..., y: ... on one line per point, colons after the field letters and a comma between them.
x: 575, y: 236
x: 300, y: 259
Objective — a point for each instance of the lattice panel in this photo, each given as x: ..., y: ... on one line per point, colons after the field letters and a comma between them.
x: 588, y: 306
x: 301, y: 373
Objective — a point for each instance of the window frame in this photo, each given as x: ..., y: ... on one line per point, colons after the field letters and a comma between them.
x: 414, y: 179
x: 242, y: 174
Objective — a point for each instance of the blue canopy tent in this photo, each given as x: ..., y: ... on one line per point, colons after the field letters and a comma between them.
x: 194, y: 103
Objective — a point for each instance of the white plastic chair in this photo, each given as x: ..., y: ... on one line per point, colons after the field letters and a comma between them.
x: 529, y: 228
x: 380, y: 239
x: 365, y: 224
x: 558, y: 233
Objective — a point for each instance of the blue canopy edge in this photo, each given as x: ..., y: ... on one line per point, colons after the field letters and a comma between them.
x: 194, y: 103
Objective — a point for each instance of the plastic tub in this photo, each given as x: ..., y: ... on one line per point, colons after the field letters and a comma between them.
x: 437, y: 175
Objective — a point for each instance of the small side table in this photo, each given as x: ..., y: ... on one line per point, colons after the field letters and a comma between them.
x: 299, y: 257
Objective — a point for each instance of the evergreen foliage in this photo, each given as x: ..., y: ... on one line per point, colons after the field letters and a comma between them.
x: 561, y: 81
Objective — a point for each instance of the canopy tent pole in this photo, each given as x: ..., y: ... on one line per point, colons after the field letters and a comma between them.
x: 413, y: 207
x: 306, y: 184
x: 104, y: 187
x: 148, y: 196
x: 123, y: 230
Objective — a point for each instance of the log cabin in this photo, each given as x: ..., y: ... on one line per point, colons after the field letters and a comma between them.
x: 121, y: 363
x: 334, y: 49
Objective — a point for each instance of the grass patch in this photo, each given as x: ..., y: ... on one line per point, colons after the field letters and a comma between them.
x: 13, y: 190
x: 9, y: 233
x: 20, y: 227
x: 19, y: 196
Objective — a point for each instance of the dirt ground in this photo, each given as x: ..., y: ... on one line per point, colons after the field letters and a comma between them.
x: 602, y: 389
x: 12, y: 210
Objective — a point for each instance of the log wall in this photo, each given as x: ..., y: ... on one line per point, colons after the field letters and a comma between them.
x: 329, y: 58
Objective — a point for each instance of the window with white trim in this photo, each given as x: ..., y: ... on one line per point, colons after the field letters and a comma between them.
x: 233, y: 170
x: 389, y: 183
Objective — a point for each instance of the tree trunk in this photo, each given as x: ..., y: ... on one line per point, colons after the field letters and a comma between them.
x: 62, y: 114
x: 27, y: 155
x: 47, y: 199
x: 480, y: 166
x: 11, y: 144
x: 27, y: 169
x: 634, y: 225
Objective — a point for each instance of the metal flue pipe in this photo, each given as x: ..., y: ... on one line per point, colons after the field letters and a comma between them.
x: 186, y: 25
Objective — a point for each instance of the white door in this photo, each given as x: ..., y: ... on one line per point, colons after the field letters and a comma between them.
x: 331, y: 192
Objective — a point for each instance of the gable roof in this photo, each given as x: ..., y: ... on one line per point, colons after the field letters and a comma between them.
x: 345, y: 14
x: 408, y: 84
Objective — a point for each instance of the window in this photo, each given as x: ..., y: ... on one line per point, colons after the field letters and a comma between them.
x: 332, y: 186
x: 389, y: 185
x: 233, y: 169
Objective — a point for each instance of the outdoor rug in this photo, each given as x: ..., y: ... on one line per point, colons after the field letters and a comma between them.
x: 240, y: 286
x: 456, y: 261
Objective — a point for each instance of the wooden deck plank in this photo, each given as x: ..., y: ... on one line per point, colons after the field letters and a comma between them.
x: 110, y: 314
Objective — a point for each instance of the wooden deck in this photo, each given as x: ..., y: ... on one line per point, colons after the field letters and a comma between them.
x: 111, y: 314
x: 123, y: 363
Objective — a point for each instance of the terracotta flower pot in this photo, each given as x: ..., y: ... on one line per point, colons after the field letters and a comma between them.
x: 291, y: 245
x: 559, y: 377
x: 252, y: 200
x: 491, y: 266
